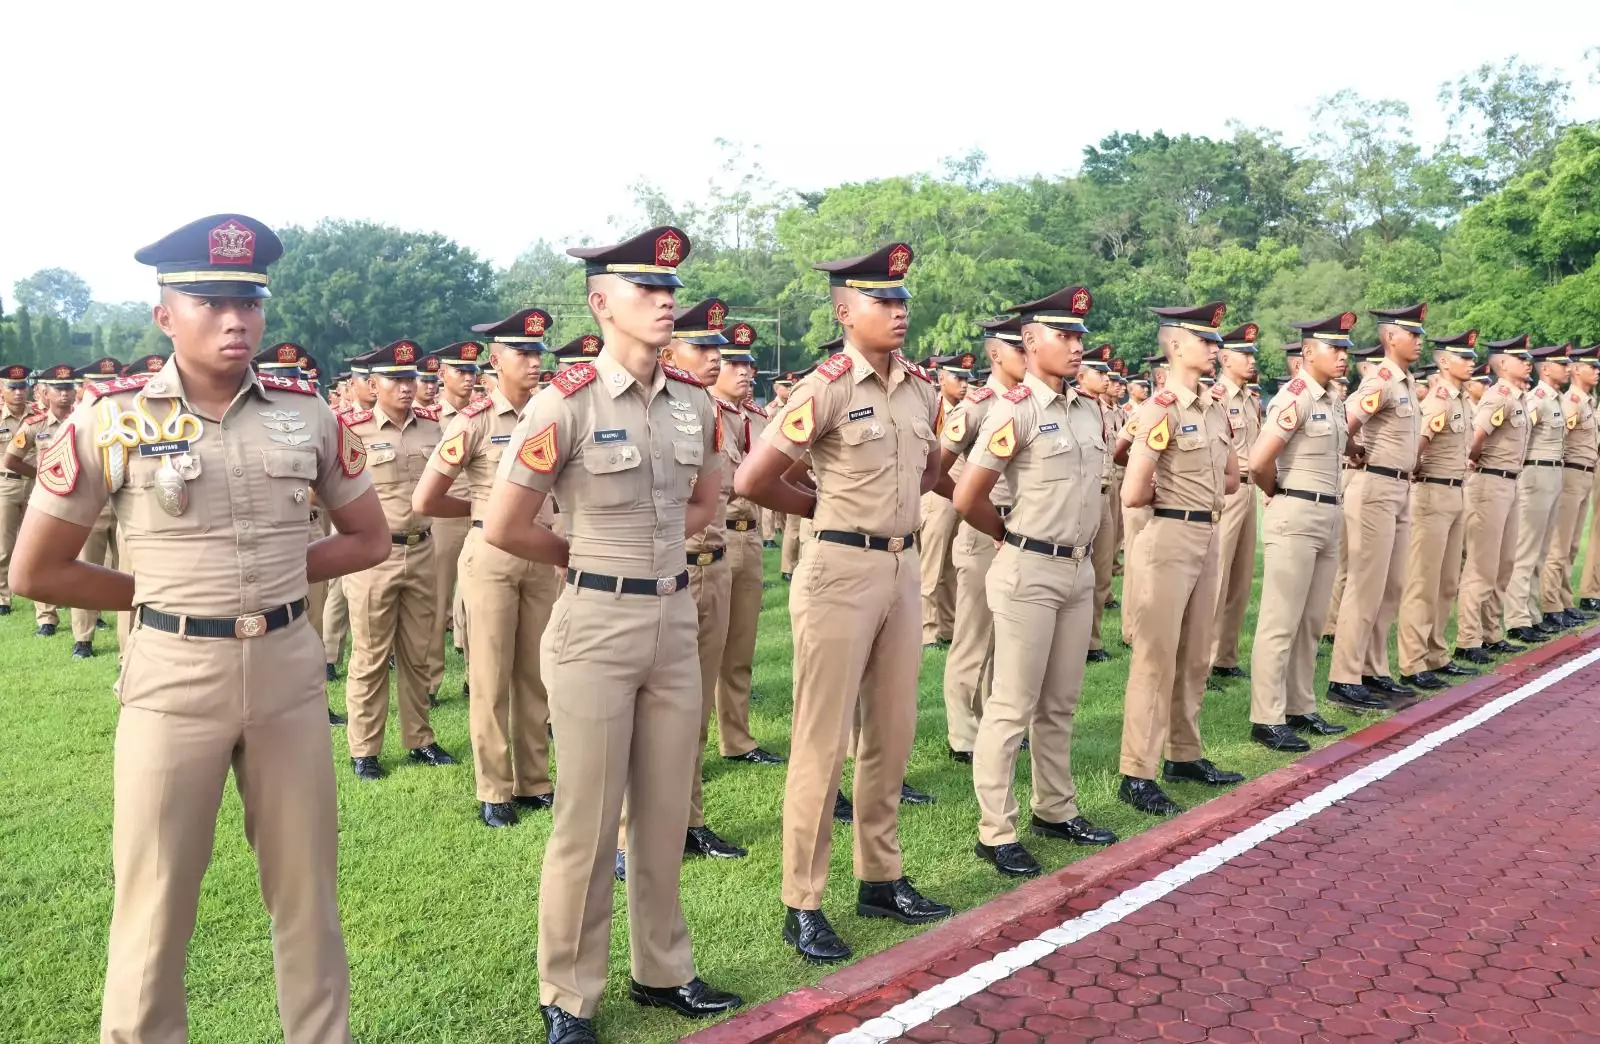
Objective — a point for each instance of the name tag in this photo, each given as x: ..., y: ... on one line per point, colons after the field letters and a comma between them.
x: 1188, y: 429
x: 1233, y: 409
x: 44, y: 436
x: 163, y: 449
x: 380, y: 445
x: 499, y: 440
x: 861, y: 414
x: 1319, y: 416
x: 1052, y: 426
x: 611, y: 435
x: 1403, y: 400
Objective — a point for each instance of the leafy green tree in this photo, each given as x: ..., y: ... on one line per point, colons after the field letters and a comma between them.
x: 27, y: 351
x: 53, y: 291
x: 1502, y: 120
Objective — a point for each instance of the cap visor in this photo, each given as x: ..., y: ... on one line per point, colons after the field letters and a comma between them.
x: 651, y: 278
x: 888, y: 293
x: 1244, y: 349
x: 464, y: 367
x: 738, y: 357
x: 526, y: 347
x: 711, y: 341
x: 239, y: 290
x: 1208, y: 335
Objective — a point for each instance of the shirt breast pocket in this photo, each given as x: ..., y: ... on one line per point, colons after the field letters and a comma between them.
x: 289, y: 477
x: 1403, y: 410
x: 867, y: 450
x: 1518, y: 419
x: 1190, y: 440
x: 1458, y: 422
x: 689, y: 456
x: 381, y: 464
x: 613, y: 472
x: 1318, y: 428
x: 1058, y: 459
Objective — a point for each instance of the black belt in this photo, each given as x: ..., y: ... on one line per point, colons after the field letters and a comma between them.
x: 1002, y: 511
x: 628, y: 584
x: 1044, y: 547
x: 223, y: 626
x: 705, y: 558
x: 1440, y: 481
x: 408, y: 539
x: 477, y: 523
x: 1315, y: 498
x: 1585, y: 468
x: 1541, y: 464
x: 1244, y: 479
x: 1394, y: 473
x: 316, y: 516
x: 1498, y: 473
x: 1105, y: 488
x: 742, y: 525
x: 874, y: 543
x: 1188, y: 516
x: 9, y: 474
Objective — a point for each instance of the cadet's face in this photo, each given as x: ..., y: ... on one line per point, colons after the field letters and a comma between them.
x: 1138, y: 392
x: 1456, y: 367
x: 953, y: 386
x: 1404, y: 345
x: 15, y: 394
x: 1516, y: 368
x: 1094, y: 382
x: 427, y: 392
x: 1325, y: 363
x: 643, y: 313
x: 216, y: 334
x: 1194, y: 352
x: 1555, y: 373
x: 365, y: 392
x: 705, y: 362
x: 60, y: 398
x: 1058, y: 354
x: 518, y: 371
x: 875, y: 324
x: 1239, y: 366
x: 735, y: 380
x: 457, y: 382
x: 1293, y: 362
x: 781, y: 392
x: 1585, y: 376
x: 1474, y: 389
x: 396, y: 394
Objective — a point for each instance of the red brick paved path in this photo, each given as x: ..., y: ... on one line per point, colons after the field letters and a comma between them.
x: 1457, y: 899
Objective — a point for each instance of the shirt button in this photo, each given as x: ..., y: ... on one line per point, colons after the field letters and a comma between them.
x: 296, y: 465
x: 244, y: 523
x: 249, y: 578
x: 238, y: 471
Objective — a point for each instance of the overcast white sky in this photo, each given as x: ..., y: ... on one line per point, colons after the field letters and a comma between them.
x: 498, y: 123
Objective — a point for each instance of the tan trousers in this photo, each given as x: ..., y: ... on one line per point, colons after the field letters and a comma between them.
x: 191, y: 709
x: 99, y: 549
x: 1538, y: 500
x: 934, y: 540
x: 335, y: 621
x: 1104, y: 560
x: 1491, y: 540
x: 769, y: 524
x: 1236, y: 574
x: 1346, y: 475
x: 449, y: 536
x: 13, y: 502
x: 1433, y: 575
x: 1042, y: 609
x: 1174, y: 595
x: 745, y: 586
x: 1377, y: 524
x: 625, y: 684
x: 509, y: 602
x: 1555, y: 587
x: 856, y: 634
x: 391, y: 610
x: 1133, y: 522
x: 1590, y: 585
x: 969, y: 664
x: 790, y: 552
x: 1300, y: 553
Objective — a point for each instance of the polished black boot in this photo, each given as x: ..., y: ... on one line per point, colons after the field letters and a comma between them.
x: 1011, y: 859
x: 1315, y: 724
x: 1078, y: 830
x: 1147, y: 797
x: 703, y: 841
x: 898, y: 901
x: 843, y: 810
x: 813, y: 938
x: 696, y: 1000
x: 1278, y: 737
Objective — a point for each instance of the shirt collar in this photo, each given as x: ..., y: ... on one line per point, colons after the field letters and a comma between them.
x: 1317, y: 390
x: 167, y: 384
x: 616, y: 379
x: 861, y: 369
x: 1186, y: 398
x: 501, y: 403
x: 1047, y: 394
x: 1231, y: 388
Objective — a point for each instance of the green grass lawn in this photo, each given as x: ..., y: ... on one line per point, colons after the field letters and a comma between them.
x: 439, y: 912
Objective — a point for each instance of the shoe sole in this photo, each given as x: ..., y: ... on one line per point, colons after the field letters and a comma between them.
x: 863, y: 910
x: 1204, y: 783
x: 809, y: 958
x: 1280, y: 748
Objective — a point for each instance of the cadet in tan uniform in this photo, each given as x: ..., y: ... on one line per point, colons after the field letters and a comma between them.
x: 508, y: 599
x: 1295, y: 460
x: 29, y: 442
x: 1365, y: 367
x: 789, y: 557
x: 100, y: 548
x: 1183, y: 466
x: 222, y: 669
x: 457, y: 368
x: 1049, y: 443
x: 1578, y: 469
x: 1377, y: 513
x: 1134, y: 519
x: 632, y: 449
x: 1498, y: 446
x: 427, y: 382
x: 1438, y: 521
x: 938, y: 533
x: 866, y: 420
x: 1094, y: 384
x: 361, y: 394
x: 968, y: 667
x: 1538, y: 497
x: 392, y: 604
x: 1236, y: 550
x: 13, y: 484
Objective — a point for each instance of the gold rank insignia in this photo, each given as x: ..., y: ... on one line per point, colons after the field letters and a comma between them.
x: 1159, y: 435
x: 1438, y: 423
x: 1498, y: 417
x: 1003, y: 443
x: 352, y: 452
x: 958, y: 427
x: 1572, y: 421
x: 1289, y: 417
x: 538, y: 452
x: 1371, y: 401
x: 453, y: 449
x: 58, y: 465
x: 801, y: 422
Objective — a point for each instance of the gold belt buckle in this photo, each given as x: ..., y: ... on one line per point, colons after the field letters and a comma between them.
x: 250, y: 626
x: 1216, y: 515
x: 897, y: 543
x: 704, y: 558
x: 1078, y: 553
x: 666, y: 585
x: 741, y: 525
x: 413, y: 539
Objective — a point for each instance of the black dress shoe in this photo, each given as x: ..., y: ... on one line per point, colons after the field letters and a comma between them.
x: 1451, y: 669
x: 1591, y: 605
x: 843, y: 810
x: 335, y: 719
x: 1551, y: 623
x: 1010, y: 859
x: 45, y: 631
x: 1147, y: 797
x: 466, y: 690
x: 1327, y: 639
x: 1096, y: 656
x: 1525, y: 635
x: 1278, y: 737
x: 1023, y: 745
x: 433, y: 700
x: 619, y: 869
x: 332, y: 673
x: 1356, y: 697
x: 5, y: 610
x: 1504, y: 648
x: 769, y: 544
x: 1477, y: 655
x: 694, y: 1001
x: 99, y: 624
x: 366, y: 768
x: 1077, y: 830
x: 534, y: 802
x: 898, y: 901
x: 432, y: 754
x: 1201, y: 771
x: 1575, y: 618
x: 963, y: 756
x: 1316, y: 724
x: 561, y: 1027
x: 912, y: 796
x: 1425, y: 680
x: 703, y: 841
x: 788, y: 577
x: 1382, y: 683
x: 813, y: 938
x: 499, y: 814
x: 82, y: 650
x: 1229, y: 672
x: 757, y: 756
x: 1112, y: 603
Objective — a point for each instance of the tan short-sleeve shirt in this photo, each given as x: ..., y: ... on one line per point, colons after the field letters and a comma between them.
x: 397, y: 454
x: 1388, y: 400
x: 1443, y: 450
x: 1310, y: 422
x: 1547, y: 423
x: 473, y: 444
x: 960, y: 431
x: 1581, y: 446
x: 1503, y: 417
x: 1187, y: 434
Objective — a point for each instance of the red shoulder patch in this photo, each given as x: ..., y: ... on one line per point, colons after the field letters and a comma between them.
x: 288, y: 384
x: 753, y: 407
x: 979, y: 394
x: 913, y: 368
x: 1018, y: 393
x: 427, y: 412
x: 1538, y: 393
x: 1384, y: 374
x: 1441, y: 392
x: 100, y: 389
x: 726, y: 406
x: 568, y: 381
x: 1166, y: 398
x: 834, y: 367
x: 682, y: 376
x: 1296, y: 386
x: 475, y: 407
x: 355, y: 417
x: 1505, y: 389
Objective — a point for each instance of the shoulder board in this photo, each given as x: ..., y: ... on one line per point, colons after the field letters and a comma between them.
x: 1574, y: 398
x: 725, y: 406
x: 754, y: 408
x: 1538, y: 393
x: 33, y: 417
x: 979, y: 394
x: 682, y: 376
x: 1505, y: 389
x: 1296, y: 386
x: 1166, y: 398
x: 355, y: 417
x: 1017, y: 394
x: 834, y: 367
x: 427, y: 412
x: 913, y: 368
x: 100, y: 389
x: 288, y: 384
x: 477, y: 406
x: 1384, y: 374
x: 1442, y: 392
x: 568, y: 381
